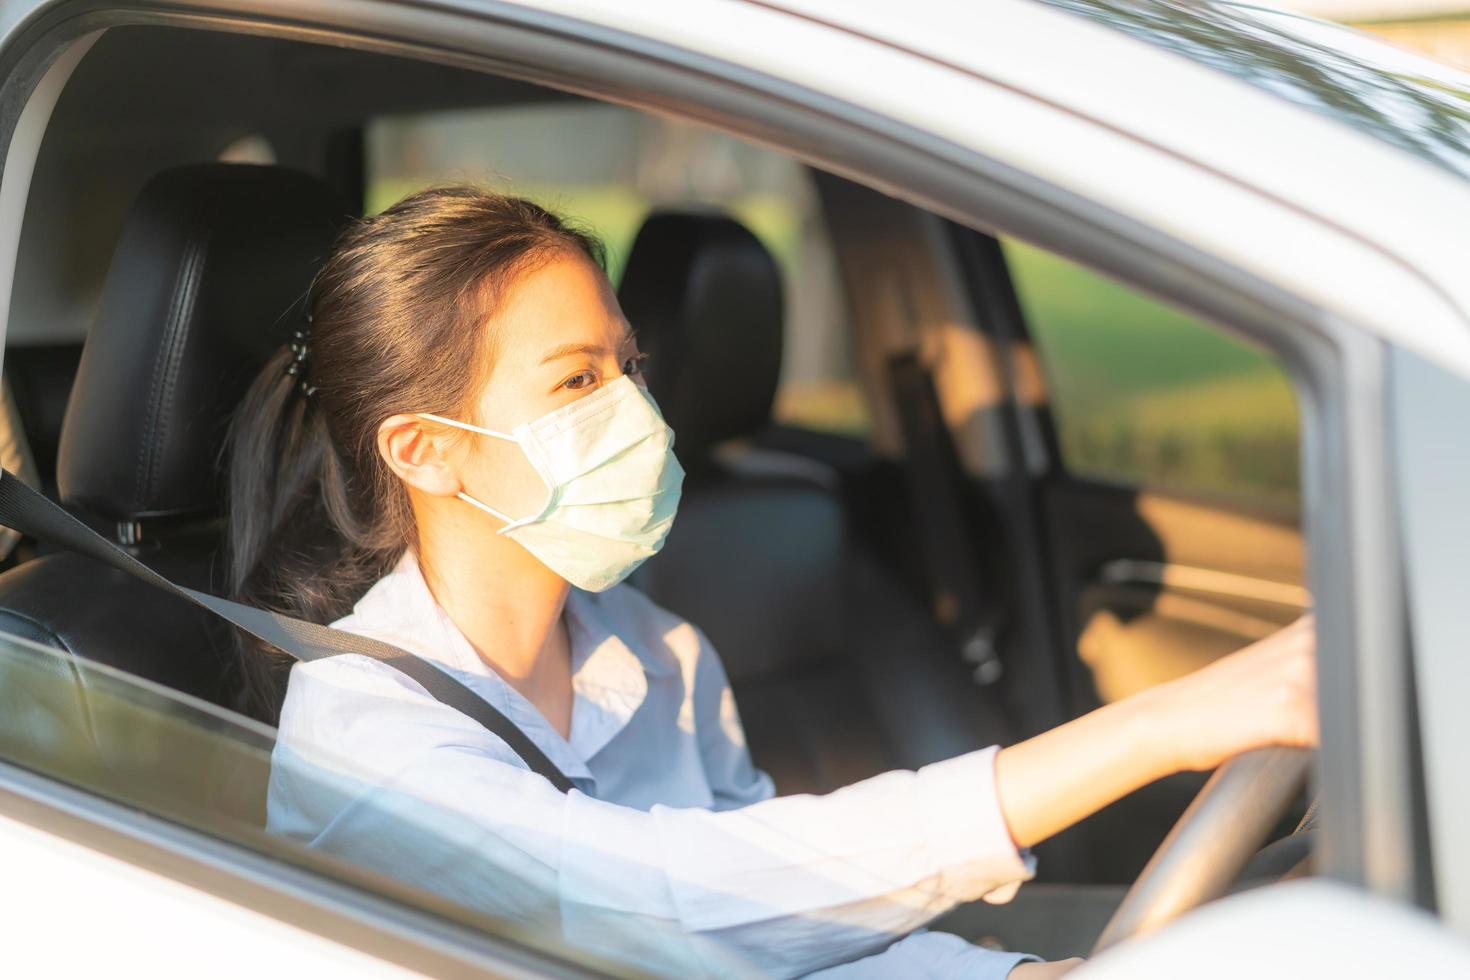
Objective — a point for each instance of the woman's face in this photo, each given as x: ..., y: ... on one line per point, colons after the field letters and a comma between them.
x: 559, y: 334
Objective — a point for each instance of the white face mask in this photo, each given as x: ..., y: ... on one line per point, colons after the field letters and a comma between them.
x: 612, y: 484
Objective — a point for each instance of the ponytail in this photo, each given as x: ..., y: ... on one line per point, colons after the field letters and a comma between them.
x: 290, y: 549
x: 397, y: 316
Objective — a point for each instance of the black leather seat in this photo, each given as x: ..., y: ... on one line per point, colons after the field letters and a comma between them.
x: 838, y: 673
x: 208, y: 278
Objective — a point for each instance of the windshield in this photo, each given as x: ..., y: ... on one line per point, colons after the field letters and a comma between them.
x: 207, y: 769
x: 1398, y: 98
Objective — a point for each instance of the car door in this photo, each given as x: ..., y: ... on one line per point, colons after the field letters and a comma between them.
x: 1158, y: 481
x: 825, y: 130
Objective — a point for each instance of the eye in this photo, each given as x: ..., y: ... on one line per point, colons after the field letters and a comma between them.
x: 579, y: 381
x: 633, y: 367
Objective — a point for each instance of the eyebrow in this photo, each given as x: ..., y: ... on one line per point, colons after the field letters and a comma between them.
x: 571, y: 350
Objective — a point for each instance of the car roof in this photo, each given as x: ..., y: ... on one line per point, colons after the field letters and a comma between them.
x: 1395, y: 95
x: 1364, y: 228
x: 1398, y: 96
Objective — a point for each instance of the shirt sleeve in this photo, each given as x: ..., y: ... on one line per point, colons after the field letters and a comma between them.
x: 370, y: 768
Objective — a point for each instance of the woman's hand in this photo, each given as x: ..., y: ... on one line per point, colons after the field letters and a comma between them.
x: 1265, y: 694
x: 1043, y: 971
x: 1262, y: 695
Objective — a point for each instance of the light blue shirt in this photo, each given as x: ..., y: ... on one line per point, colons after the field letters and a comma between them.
x: 673, y: 851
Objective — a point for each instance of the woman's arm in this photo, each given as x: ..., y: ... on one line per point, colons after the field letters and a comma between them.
x: 1262, y: 695
x: 792, y: 883
x: 370, y: 768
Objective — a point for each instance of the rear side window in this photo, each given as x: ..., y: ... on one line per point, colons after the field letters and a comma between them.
x: 607, y: 167
x: 1144, y: 395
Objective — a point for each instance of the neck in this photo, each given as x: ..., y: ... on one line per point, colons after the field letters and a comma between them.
x: 505, y: 602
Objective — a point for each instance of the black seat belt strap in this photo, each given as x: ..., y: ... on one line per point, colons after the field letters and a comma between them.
x: 31, y: 513
x: 935, y: 481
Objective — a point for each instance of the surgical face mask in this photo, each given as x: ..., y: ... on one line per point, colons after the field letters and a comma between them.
x: 612, y: 484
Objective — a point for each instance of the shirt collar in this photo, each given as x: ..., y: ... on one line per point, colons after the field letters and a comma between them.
x: 609, y: 676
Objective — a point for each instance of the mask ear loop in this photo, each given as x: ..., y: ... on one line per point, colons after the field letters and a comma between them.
x: 510, y: 522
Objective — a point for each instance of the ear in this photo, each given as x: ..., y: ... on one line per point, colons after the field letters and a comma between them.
x: 417, y: 455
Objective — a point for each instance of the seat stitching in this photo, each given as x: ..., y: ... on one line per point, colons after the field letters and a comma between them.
x: 166, y: 368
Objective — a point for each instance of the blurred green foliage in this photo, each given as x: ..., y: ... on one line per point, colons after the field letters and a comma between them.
x: 1144, y: 394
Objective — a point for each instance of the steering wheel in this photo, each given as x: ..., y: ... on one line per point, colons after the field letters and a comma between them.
x: 1212, y: 842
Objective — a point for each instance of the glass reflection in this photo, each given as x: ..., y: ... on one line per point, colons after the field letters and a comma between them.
x: 1399, y: 104
x: 189, y: 763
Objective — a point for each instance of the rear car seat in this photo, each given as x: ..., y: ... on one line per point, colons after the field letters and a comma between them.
x: 837, y: 672
x: 207, y: 280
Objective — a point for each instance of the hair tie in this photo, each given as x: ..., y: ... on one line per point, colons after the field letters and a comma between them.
x: 300, y: 347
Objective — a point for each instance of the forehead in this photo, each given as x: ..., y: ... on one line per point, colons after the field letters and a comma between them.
x: 559, y: 299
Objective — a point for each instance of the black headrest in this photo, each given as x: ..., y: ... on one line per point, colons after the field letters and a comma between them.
x: 210, y: 276
x: 705, y: 298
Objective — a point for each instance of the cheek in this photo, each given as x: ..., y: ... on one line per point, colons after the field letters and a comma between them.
x: 497, y: 473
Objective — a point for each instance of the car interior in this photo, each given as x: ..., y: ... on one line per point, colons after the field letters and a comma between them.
x: 936, y: 582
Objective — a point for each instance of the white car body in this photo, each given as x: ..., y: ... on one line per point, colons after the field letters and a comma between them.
x: 1221, y: 174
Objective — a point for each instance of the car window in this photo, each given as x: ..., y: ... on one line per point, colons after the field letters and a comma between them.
x: 1145, y: 395
x: 607, y: 167
x: 198, y: 766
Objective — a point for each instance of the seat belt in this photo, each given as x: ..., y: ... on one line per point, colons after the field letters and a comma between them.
x: 32, y: 513
x: 934, y: 481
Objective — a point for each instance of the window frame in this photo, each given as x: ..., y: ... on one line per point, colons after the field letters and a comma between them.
x: 1352, y: 533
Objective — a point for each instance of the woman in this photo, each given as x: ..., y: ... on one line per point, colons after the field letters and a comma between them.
x: 460, y: 460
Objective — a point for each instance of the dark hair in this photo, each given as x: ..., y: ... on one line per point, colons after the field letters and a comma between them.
x: 396, y: 325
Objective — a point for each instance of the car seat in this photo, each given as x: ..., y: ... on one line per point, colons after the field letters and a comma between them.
x: 838, y: 672
x: 208, y: 278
